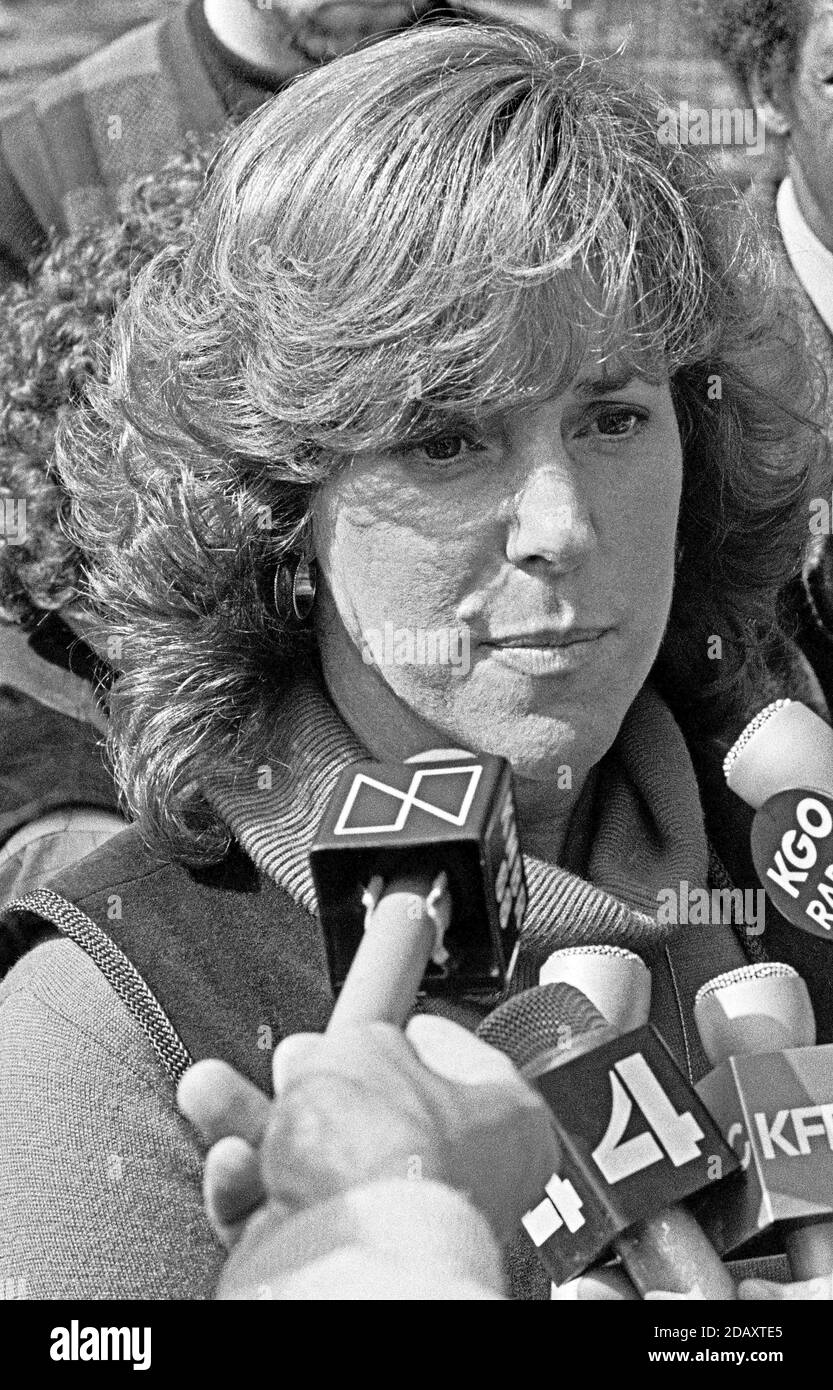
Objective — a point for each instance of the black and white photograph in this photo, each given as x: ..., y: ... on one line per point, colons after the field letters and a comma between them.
x: 416, y: 670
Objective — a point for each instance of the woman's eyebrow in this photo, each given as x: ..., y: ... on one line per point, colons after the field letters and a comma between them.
x: 435, y: 420
x: 591, y: 387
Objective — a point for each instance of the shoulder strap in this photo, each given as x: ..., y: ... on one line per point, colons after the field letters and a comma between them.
x: 114, y: 965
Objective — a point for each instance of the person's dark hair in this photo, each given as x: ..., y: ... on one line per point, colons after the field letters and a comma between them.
x: 53, y: 342
x: 763, y: 36
x: 444, y: 219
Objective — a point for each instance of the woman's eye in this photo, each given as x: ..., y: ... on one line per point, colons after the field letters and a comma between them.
x: 443, y: 447
x: 618, y: 424
x: 447, y: 447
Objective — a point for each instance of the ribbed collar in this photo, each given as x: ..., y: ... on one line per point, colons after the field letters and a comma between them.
x: 647, y: 829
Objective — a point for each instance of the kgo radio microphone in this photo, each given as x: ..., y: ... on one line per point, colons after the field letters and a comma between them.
x: 420, y: 882
x: 782, y: 766
x: 772, y: 1093
x: 611, y: 1191
x: 616, y: 981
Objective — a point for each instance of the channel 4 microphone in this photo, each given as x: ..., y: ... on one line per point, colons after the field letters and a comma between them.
x: 772, y: 1094
x: 635, y: 1141
x: 782, y: 766
x: 420, y: 882
x: 614, y: 979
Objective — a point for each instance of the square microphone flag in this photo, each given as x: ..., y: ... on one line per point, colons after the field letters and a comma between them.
x: 456, y: 815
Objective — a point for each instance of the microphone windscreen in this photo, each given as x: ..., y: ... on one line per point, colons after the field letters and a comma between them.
x: 539, y: 1021
x: 784, y: 746
x: 756, y: 1009
x: 614, y: 979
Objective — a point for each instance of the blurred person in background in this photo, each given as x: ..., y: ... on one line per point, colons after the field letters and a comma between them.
x: 69, y: 150
x: 453, y: 275
x: 780, y: 52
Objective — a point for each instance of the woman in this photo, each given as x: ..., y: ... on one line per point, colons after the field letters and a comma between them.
x: 455, y: 344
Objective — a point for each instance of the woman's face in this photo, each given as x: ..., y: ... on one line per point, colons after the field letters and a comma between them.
x: 508, y: 581
x: 811, y: 123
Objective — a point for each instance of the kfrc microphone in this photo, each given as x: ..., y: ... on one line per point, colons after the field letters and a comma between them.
x: 635, y: 1139
x: 782, y: 766
x: 772, y: 1093
x: 419, y: 865
x: 614, y: 979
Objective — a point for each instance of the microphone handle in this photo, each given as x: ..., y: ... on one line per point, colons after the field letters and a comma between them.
x: 810, y: 1249
x: 670, y: 1252
x: 386, y: 972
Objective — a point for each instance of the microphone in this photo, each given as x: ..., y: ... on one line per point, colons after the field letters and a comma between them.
x: 772, y: 1093
x: 613, y: 1191
x: 782, y: 766
x: 420, y: 882
x: 615, y: 980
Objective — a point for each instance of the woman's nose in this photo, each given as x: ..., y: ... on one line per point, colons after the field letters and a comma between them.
x: 550, y: 520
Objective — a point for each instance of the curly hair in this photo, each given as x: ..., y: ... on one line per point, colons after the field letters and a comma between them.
x: 53, y: 343
x: 448, y: 218
x: 763, y: 36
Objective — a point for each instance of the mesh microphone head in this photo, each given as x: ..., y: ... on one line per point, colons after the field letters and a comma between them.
x: 601, y: 948
x: 763, y: 970
x: 540, y: 1019
x: 613, y: 978
x: 752, y: 1010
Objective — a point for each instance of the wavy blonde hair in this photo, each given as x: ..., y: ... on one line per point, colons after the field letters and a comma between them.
x: 447, y: 218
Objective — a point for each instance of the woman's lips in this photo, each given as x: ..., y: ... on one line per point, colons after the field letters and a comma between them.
x: 549, y: 656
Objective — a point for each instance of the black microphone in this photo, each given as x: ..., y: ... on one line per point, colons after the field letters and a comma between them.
x: 635, y: 1139
x: 782, y: 766
x: 772, y: 1094
x: 420, y: 882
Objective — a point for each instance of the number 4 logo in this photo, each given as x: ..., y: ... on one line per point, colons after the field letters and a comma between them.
x: 561, y: 1207
x: 619, y: 1158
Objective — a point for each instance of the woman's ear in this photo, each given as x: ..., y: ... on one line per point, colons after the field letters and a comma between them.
x: 771, y: 103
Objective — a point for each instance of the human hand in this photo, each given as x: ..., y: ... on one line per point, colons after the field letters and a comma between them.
x: 371, y: 1103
